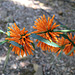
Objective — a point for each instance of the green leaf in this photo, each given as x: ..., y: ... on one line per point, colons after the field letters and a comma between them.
x: 3, y: 42
x: 71, y: 51
x: 64, y: 26
x: 64, y: 31
x: 66, y: 37
x: 16, y: 44
x: 1, y: 31
x: 33, y: 45
x: 7, y: 57
x: 44, y: 40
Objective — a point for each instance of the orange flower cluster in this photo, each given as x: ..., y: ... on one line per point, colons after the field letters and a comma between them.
x: 45, y: 27
x: 66, y: 45
x: 21, y: 37
x: 69, y: 46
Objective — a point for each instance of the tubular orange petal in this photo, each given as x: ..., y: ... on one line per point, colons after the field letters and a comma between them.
x: 42, y: 45
x: 34, y: 27
x: 16, y: 27
x: 48, y: 20
x: 26, y: 32
x: 23, y: 36
x: 70, y: 35
x: 36, y: 40
x: 13, y: 49
x: 29, y: 40
x: 29, y: 50
x: 46, y: 47
x: 22, y: 52
x: 39, y: 44
x: 58, y: 52
x: 25, y: 51
x: 54, y: 27
x: 51, y: 21
x: 23, y: 41
x: 30, y: 45
x: 18, y: 51
x: 48, y: 37
x: 22, y: 31
x: 11, y: 29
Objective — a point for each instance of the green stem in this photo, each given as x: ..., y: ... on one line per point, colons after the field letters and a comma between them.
x: 56, y: 31
x: 7, y: 57
x: 1, y: 31
x: 40, y: 32
x: 44, y: 32
x: 64, y: 31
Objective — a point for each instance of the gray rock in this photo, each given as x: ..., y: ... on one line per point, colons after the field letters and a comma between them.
x: 60, y: 2
x: 38, y: 69
x: 1, y: 0
x: 2, y: 59
x: 14, y: 66
x: 60, y: 12
x: 3, y: 13
x: 72, y: 68
x: 9, y: 19
x: 64, y: 69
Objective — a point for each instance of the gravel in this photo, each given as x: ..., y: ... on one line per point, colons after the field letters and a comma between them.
x: 24, y: 14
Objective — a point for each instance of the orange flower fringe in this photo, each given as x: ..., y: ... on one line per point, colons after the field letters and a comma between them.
x: 65, y: 44
x: 21, y: 37
x: 46, y: 27
x: 69, y: 46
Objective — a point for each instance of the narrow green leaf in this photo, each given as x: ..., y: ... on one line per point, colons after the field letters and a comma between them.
x: 44, y: 40
x: 7, y: 57
x: 1, y: 31
x: 16, y: 44
x: 33, y: 45
x: 3, y: 42
x: 66, y: 37
x: 64, y: 31
x: 71, y: 51
x: 64, y: 26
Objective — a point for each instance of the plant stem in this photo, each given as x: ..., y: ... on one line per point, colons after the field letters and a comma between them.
x: 64, y: 31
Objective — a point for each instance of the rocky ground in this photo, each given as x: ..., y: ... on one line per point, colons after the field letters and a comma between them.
x: 24, y: 14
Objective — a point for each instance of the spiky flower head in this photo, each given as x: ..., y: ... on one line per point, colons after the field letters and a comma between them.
x: 22, y: 38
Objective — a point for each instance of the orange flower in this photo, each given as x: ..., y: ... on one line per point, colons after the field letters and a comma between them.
x: 66, y: 45
x: 44, y: 26
x: 69, y: 46
x: 61, y: 42
x: 21, y: 37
